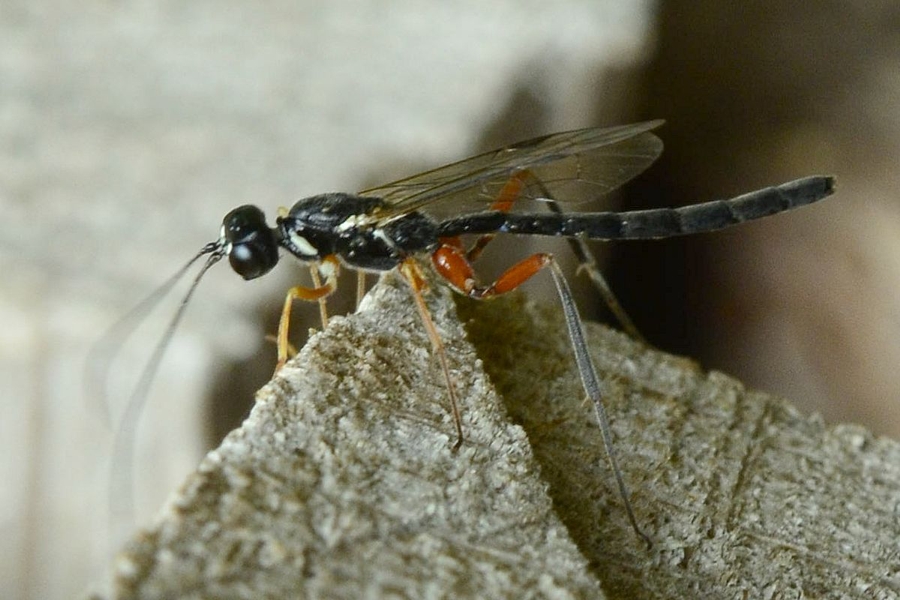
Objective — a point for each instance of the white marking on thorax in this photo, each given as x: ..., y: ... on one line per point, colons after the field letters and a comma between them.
x: 351, y: 222
x: 302, y: 244
x: 381, y: 235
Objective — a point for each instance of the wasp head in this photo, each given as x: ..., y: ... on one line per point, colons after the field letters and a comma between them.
x: 251, y: 245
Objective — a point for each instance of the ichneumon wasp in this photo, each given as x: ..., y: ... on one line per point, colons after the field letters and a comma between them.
x: 516, y: 190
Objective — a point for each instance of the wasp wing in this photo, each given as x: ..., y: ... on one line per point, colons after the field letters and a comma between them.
x: 573, y: 166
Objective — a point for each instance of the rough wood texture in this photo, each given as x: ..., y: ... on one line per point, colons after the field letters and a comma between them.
x: 743, y: 496
x: 342, y: 483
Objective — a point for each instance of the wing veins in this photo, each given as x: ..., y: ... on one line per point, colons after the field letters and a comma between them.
x: 638, y: 148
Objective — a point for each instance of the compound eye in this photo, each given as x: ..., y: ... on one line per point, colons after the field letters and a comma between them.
x: 252, y: 260
x: 254, y: 249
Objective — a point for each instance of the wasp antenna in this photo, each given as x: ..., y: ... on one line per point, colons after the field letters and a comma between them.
x: 102, y: 352
x: 121, y: 481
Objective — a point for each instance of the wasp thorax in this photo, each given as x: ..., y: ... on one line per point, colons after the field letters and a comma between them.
x: 252, y: 246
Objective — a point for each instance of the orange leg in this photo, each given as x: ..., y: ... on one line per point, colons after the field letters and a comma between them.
x: 511, y: 191
x: 323, y: 300
x: 452, y: 263
x: 413, y: 274
x: 505, y: 199
x: 329, y: 268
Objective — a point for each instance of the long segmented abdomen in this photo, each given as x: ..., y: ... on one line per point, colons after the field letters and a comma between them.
x: 648, y: 224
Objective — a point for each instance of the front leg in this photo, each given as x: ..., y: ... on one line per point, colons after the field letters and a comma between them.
x: 328, y: 267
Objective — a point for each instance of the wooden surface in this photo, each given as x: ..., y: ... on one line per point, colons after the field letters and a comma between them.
x: 342, y: 483
x: 128, y: 130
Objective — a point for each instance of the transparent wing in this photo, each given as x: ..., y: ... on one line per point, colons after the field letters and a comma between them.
x: 574, y: 166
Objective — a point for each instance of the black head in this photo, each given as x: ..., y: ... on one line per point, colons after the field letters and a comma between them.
x: 251, y: 244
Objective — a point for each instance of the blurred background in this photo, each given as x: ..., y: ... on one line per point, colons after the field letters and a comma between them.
x: 128, y: 129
